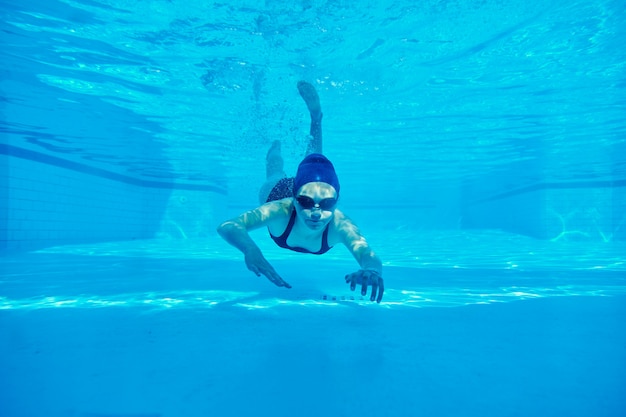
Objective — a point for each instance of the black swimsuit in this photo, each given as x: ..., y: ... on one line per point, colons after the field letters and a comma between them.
x: 282, y: 189
x: 282, y: 239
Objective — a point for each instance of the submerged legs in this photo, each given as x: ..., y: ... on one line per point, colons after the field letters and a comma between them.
x: 312, y: 101
x: 274, y: 163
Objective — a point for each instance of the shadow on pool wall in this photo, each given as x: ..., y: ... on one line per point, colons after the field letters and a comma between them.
x: 581, y: 211
x: 580, y: 206
x: 52, y: 190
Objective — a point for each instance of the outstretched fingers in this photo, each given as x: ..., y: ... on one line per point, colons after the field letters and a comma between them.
x: 381, y: 290
x: 378, y: 287
x: 374, y: 290
x: 275, y: 278
x: 365, y: 278
x: 351, y: 279
x: 259, y: 266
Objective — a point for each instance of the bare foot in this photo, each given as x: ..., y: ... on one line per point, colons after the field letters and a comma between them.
x: 273, y: 150
x: 310, y: 97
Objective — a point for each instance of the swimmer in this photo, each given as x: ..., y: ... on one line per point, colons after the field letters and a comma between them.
x: 301, y: 213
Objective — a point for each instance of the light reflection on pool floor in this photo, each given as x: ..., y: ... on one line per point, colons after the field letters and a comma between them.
x: 181, y: 328
x: 214, y: 299
x: 208, y: 274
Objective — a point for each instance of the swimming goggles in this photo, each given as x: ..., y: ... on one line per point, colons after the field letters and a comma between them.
x: 308, y: 203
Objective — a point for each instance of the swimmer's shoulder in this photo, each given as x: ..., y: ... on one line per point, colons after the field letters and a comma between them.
x: 339, y: 216
x: 280, y: 207
x: 274, y: 212
x: 278, y: 214
x: 340, y: 227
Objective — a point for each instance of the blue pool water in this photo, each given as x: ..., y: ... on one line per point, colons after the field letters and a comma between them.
x: 481, y: 148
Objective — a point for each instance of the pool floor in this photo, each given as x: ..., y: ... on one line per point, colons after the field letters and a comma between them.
x: 560, y: 356
x: 133, y: 336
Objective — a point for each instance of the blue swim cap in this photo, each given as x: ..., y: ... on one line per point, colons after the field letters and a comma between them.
x: 315, y: 168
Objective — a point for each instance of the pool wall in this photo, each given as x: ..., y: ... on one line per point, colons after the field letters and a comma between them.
x: 48, y: 201
x: 45, y: 205
x: 584, y: 211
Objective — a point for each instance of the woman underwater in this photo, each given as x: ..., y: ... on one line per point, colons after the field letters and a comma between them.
x: 301, y: 214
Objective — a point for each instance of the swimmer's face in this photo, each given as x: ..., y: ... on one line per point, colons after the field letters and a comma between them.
x: 315, y: 204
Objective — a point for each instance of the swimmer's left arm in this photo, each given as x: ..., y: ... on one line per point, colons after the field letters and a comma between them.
x: 352, y: 238
x: 371, y: 271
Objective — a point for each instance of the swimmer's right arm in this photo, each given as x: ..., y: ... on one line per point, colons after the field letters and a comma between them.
x: 235, y: 232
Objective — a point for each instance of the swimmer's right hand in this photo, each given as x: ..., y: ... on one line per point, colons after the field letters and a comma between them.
x: 256, y: 262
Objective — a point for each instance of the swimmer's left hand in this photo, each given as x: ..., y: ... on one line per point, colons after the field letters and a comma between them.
x: 365, y: 277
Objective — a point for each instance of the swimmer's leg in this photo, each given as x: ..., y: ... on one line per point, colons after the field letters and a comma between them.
x: 274, y: 163
x: 273, y: 171
x: 312, y: 101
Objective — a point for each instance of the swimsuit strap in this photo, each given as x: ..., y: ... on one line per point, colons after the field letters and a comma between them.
x: 285, y: 235
x: 325, y: 248
x: 282, y: 239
